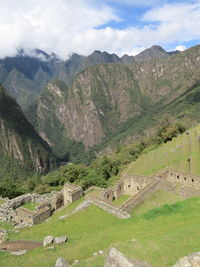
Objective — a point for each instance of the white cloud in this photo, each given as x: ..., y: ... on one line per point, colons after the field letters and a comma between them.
x: 136, y: 2
x: 180, y: 48
x: 65, y: 26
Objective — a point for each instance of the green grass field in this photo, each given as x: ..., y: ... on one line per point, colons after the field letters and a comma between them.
x: 158, y: 199
x: 174, y: 154
x: 160, y: 236
x: 30, y: 205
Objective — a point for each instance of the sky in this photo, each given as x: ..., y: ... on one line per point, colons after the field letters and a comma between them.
x: 82, y: 26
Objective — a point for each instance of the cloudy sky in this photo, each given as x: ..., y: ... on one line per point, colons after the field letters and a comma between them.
x: 82, y: 26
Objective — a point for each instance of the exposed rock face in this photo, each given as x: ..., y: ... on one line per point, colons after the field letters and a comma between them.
x: 106, y: 97
x: 94, y: 106
x: 25, y: 76
x: 18, y: 139
x: 117, y: 259
x: 192, y: 260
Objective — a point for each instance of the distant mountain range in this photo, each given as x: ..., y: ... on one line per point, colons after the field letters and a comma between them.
x: 99, y: 102
x: 25, y: 76
x: 110, y: 103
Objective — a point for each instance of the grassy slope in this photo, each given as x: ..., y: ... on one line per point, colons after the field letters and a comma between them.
x: 158, y: 199
x: 173, y: 154
x: 163, y: 235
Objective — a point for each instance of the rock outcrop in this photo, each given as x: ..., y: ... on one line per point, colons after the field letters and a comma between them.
x: 192, y: 260
x: 61, y: 263
x: 117, y: 259
x: 48, y: 240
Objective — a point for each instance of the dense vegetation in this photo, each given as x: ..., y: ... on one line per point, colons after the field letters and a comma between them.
x: 102, y: 171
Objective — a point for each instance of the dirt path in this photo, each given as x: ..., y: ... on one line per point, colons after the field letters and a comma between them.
x: 19, y: 245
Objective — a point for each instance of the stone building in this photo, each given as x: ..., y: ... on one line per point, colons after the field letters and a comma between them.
x: 71, y: 193
x: 166, y: 179
x: 42, y: 213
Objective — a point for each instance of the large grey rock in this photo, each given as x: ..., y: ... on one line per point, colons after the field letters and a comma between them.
x: 117, y: 259
x: 60, y: 239
x: 48, y: 240
x: 192, y: 260
x: 61, y: 263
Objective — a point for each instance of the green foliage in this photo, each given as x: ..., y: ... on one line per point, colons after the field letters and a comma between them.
x: 168, y: 131
x: 166, y: 210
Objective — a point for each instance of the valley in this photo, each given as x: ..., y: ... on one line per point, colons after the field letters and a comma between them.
x: 104, y: 153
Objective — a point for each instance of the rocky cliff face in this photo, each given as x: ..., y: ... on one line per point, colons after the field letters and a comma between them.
x: 108, y: 97
x: 25, y: 76
x: 18, y: 139
x: 94, y: 106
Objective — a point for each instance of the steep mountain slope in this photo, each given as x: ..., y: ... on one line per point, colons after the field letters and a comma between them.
x: 25, y: 76
x: 18, y: 140
x: 93, y: 107
x: 116, y: 101
x: 182, y: 153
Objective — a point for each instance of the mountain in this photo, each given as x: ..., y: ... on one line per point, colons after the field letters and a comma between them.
x: 181, y: 153
x: 112, y: 102
x: 154, y: 52
x: 21, y: 146
x: 26, y: 75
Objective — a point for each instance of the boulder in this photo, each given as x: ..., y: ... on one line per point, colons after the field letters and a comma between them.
x: 117, y: 259
x: 60, y: 239
x: 61, y: 263
x: 48, y: 240
x: 192, y: 260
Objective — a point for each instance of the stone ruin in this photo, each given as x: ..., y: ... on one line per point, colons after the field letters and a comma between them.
x: 140, y: 187
x: 12, y: 210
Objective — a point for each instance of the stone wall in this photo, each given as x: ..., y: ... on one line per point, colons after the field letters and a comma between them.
x: 23, y: 215
x: 183, y: 178
x: 41, y: 215
x: 71, y: 193
x: 76, y: 195
x: 108, y: 207
x: 140, y: 197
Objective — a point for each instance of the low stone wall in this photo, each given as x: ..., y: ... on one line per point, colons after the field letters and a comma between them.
x: 108, y: 207
x: 42, y: 215
x: 140, y: 197
x: 76, y: 194
x: 187, y: 192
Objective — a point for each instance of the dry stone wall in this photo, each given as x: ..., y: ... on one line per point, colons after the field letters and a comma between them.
x: 108, y: 207
x: 140, y: 197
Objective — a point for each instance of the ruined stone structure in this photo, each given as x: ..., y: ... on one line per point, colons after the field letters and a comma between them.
x: 42, y: 213
x: 71, y: 193
x: 140, y: 187
x: 12, y: 210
